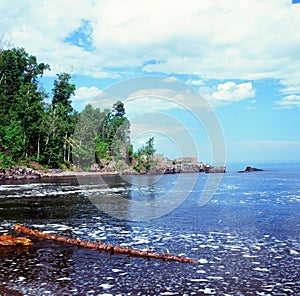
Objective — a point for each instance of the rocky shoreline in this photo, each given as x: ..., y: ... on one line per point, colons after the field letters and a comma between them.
x: 19, y: 173
x: 23, y: 173
x: 162, y: 166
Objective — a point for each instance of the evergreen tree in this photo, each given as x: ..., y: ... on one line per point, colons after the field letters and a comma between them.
x: 115, y: 132
x: 84, y: 138
x: 145, y: 154
x: 21, y: 104
x: 61, y: 119
x: 33, y: 130
x: 63, y: 91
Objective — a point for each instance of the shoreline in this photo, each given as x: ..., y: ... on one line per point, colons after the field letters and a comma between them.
x: 71, y: 174
x: 24, y: 173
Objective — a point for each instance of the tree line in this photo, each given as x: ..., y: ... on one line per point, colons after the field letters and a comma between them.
x: 45, y: 128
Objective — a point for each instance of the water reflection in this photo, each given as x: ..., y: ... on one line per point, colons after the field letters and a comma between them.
x: 141, y: 198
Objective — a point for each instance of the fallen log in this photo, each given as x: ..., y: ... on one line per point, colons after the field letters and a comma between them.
x: 8, y: 240
x: 99, y: 246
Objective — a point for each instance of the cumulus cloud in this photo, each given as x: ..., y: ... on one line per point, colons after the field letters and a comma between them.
x: 288, y: 102
x: 86, y: 93
x: 228, y: 93
x: 212, y: 39
x: 233, y: 92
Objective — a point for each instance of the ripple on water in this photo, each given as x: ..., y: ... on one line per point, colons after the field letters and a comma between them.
x: 238, y: 252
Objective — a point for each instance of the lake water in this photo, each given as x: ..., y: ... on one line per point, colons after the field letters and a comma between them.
x: 246, y: 239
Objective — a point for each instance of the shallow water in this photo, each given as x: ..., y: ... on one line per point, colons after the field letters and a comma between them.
x: 246, y: 239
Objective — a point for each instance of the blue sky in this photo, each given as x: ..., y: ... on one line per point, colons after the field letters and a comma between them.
x: 241, y: 57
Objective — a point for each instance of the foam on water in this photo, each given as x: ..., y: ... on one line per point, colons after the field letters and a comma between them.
x: 246, y: 241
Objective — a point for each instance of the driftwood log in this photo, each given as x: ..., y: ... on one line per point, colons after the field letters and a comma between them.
x: 8, y: 240
x: 99, y: 246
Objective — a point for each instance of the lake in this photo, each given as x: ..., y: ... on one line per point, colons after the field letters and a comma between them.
x: 246, y: 238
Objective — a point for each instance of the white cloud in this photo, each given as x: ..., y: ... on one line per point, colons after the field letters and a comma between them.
x: 170, y: 79
x: 233, y: 92
x: 228, y: 93
x: 196, y: 82
x: 212, y: 39
x: 159, y: 99
x: 291, y: 85
x: 86, y: 93
x: 289, y: 102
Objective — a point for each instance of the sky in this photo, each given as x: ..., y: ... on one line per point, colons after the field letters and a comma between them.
x: 219, y: 80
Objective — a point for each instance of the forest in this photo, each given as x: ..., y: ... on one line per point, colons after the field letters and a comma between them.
x: 44, y: 128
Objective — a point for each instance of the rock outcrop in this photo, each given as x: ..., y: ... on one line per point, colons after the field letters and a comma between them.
x: 19, y: 173
x: 163, y: 165
x: 159, y: 165
x: 249, y: 169
x: 219, y: 169
x: 182, y: 165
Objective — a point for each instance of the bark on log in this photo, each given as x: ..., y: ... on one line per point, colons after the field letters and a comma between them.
x: 99, y: 246
x: 8, y: 240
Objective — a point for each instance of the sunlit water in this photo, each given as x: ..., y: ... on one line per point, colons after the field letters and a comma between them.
x: 246, y: 239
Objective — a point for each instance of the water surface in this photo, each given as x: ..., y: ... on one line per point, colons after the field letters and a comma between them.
x: 245, y: 239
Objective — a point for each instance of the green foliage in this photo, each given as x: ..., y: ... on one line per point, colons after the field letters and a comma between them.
x: 20, y: 102
x: 62, y: 91
x: 53, y: 134
x: 30, y: 129
x: 144, y: 155
x: 101, y: 149
x: 118, y: 110
x: 146, y: 152
x: 84, y: 136
x: 6, y: 161
x: 114, y: 131
x: 13, y: 141
x: 131, y: 154
x: 61, y: 120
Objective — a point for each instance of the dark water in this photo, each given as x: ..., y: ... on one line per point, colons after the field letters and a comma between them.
x: 246, y: 239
